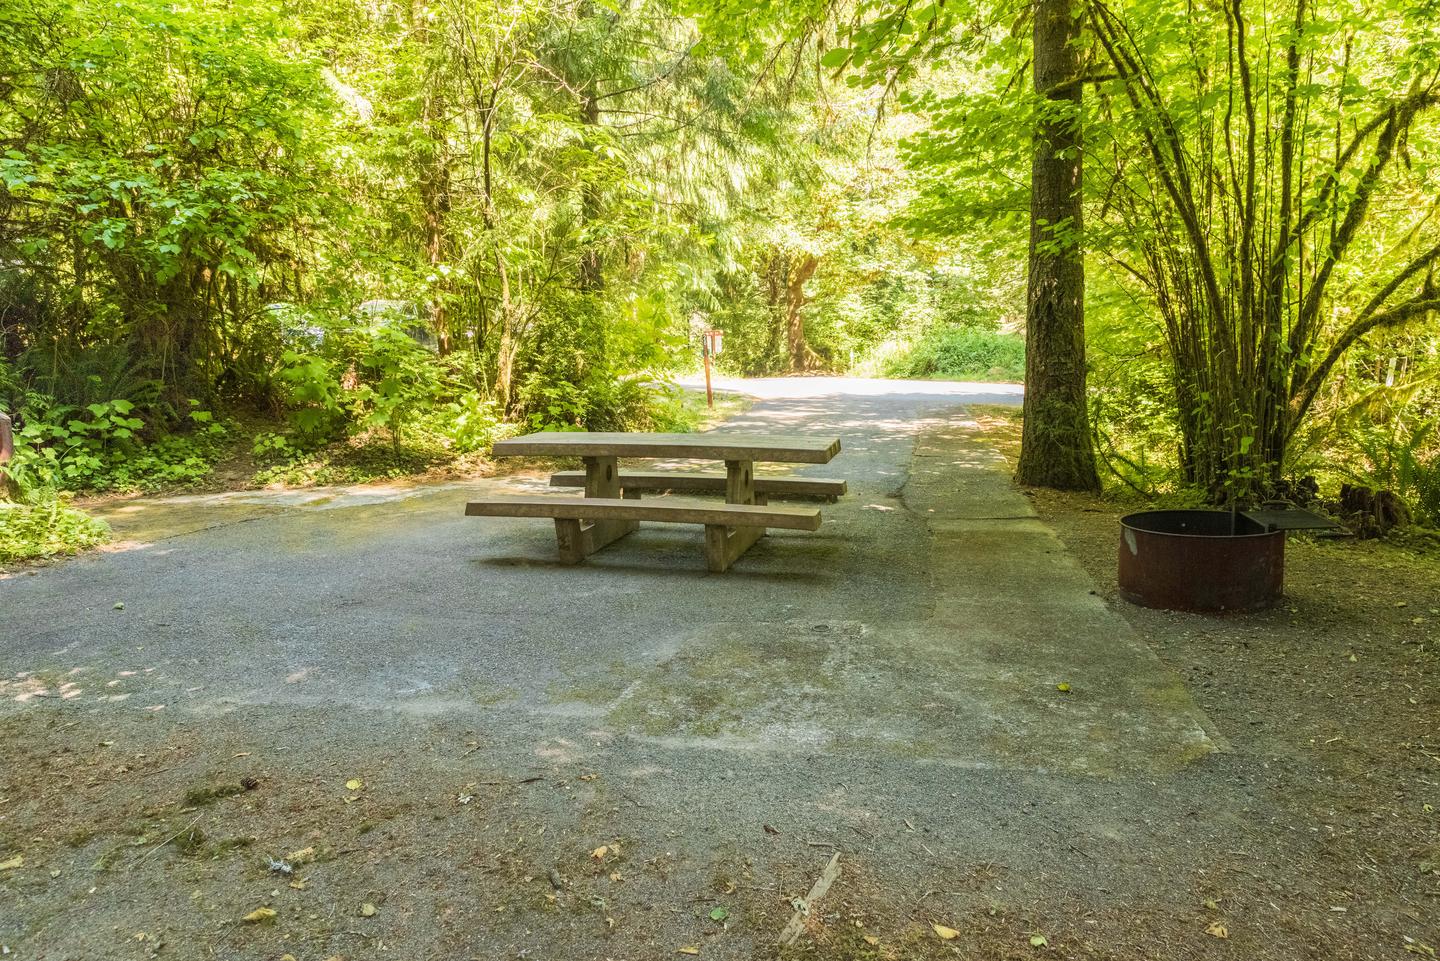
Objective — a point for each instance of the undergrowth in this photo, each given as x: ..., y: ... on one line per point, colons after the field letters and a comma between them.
x: 960, y: 353
x: 50, y: 528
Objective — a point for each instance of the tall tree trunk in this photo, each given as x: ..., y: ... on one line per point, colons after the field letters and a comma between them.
x: 1056, y: 447
x: 801, y: 356
x: 592, y: 277
x: 435, y: 198
x: 509, y: 345
x: 777, y: 271
x: 435, y: 178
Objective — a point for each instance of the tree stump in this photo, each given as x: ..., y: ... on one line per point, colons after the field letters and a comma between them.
x: 1372, y: 513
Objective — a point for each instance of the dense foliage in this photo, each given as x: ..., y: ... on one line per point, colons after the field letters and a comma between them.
x: 414, y: 223
x: 1260, y: 190
x: 391, y: 232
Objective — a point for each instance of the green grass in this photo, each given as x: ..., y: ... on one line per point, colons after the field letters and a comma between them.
x: 52, y: 528
x: 960, y: 353
x: 689, y: 412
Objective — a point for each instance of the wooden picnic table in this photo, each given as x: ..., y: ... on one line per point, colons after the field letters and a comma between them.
x: 608, y: 511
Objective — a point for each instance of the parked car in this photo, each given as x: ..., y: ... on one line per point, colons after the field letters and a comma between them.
x: 407, y: 317
x: 295, y: 325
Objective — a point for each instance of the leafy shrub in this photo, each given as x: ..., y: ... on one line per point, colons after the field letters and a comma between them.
x: 97, y: 448
x: 1403, y: 457
x: 310, y: 388
x: 470, y: 422
x: 961, y: 353
x: 46, y: 529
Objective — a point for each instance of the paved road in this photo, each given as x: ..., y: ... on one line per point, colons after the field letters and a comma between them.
x: 897, y: 668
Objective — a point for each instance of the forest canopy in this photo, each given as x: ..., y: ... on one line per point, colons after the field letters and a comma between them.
x: 407, y: 228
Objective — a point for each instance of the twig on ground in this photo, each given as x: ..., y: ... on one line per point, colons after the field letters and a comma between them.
x: 151, y: 852
x: 817, y: 891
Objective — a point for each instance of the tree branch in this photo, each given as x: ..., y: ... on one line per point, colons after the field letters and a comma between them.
x: 1394, y: 317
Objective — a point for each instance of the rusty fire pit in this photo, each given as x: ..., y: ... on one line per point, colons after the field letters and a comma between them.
x: 1204, y: 561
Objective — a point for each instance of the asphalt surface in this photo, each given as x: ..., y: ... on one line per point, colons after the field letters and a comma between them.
x: 890, y: 685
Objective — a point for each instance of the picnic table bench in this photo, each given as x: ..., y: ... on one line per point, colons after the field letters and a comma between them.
x: 611, y: 506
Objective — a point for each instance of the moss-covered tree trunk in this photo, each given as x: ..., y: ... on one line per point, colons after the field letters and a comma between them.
x: 802, y: 357
x: 1056, y: 447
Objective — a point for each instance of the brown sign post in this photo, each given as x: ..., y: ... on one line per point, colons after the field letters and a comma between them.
x: 710, y: 344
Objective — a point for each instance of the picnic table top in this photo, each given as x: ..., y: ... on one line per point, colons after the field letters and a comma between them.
x: 714, y: 445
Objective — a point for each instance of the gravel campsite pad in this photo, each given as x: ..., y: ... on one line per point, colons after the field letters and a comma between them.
x: 362, y: 725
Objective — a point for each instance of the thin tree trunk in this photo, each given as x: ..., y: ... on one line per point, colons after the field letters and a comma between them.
x: 1056, y: 446
x: 434, y: 181
x: 801, y: 356
x: 592, y: 277
x: 777, y: 270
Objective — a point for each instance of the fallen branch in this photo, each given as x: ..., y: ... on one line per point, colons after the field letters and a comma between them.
x: 817, y: 891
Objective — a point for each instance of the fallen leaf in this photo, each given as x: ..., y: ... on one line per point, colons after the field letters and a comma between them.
x: 1063, y: 687
x: 1217, y: 930
x: 367, y: 910
x: 719, y: 914
x: 946, y: 934
x: 302, y: 856
x: 1038, y: 941
x: 600, y: 852
x: 260, y: 914
x: 354, y: 784
x: 119, y: 605
x: 871, y: 940
x: 11, y: 864
x: 298, y: 884
x: 588, y: 777
x: 616, y: 876
x: 688, y: 949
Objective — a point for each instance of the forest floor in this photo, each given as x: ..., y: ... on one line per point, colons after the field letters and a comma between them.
x: 352, y: 723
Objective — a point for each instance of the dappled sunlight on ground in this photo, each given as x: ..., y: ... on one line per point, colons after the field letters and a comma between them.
x: 78, y: 684
x: 929, y: 683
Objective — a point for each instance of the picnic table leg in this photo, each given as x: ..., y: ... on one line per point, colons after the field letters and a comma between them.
x: 578, y: 539
x: 724, y: 544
